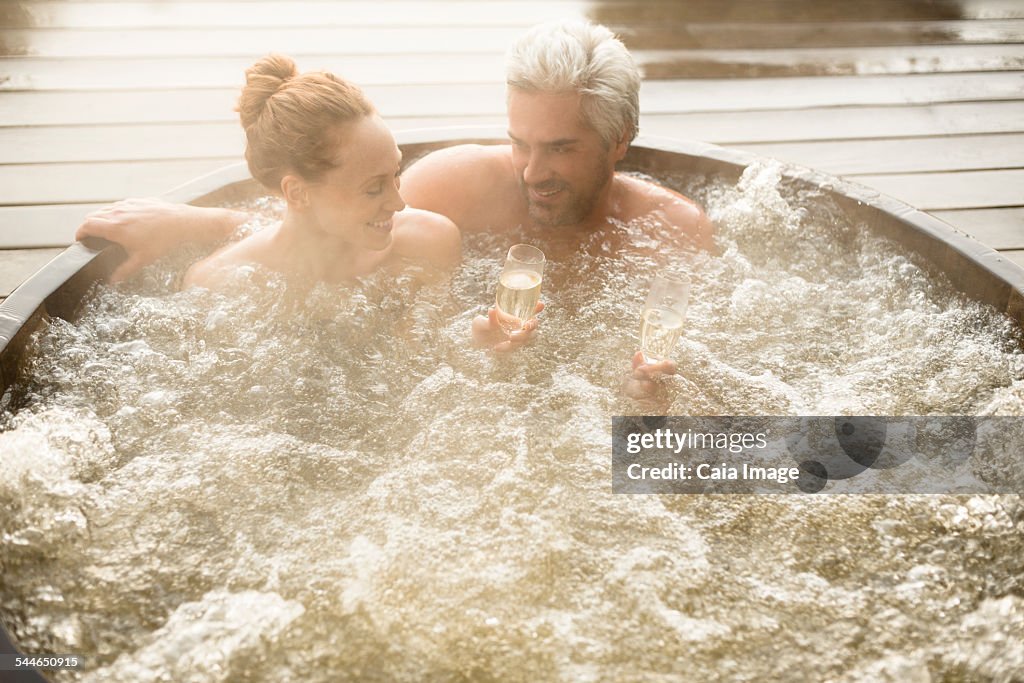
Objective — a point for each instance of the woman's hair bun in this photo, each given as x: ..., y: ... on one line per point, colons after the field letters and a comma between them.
x: 262, y: 80
x: 291, y: 120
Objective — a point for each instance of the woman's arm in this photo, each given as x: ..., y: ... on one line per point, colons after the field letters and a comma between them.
x: 148, y: 229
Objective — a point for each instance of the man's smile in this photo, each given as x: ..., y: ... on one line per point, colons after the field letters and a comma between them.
x: 543, y: 193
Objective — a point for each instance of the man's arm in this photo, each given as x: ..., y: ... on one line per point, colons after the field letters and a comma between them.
x: 692, y: 220
x: 683, y: 215
x: 148, y: 229
x: 693, y: 227
x: 686, y: 217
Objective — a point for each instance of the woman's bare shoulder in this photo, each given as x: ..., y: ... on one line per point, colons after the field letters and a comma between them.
x: 213, y: 271
x: 427, y: 237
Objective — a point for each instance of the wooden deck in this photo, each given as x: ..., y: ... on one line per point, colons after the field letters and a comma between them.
x: 921, y: 99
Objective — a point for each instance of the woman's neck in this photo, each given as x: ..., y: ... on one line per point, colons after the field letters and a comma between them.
x: 306, y: 250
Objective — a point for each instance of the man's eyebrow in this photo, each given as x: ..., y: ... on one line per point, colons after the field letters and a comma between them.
x: 561, y: 142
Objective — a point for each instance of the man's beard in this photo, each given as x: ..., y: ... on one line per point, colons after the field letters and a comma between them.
x: 574, y: 208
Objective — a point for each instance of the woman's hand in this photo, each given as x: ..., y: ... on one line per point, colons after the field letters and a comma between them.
x: 487, y: 330
x: 644, y: 381
x: 148, y: 229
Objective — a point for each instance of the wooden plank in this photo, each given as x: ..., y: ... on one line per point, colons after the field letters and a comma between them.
x: 138, y: 106
x: 23, y: 227
x: 827, y: 91
x: 253, y: 42
x: 98, y: 181
x: 998, y: 228
x: 310, y: 36
x: 651, y: 36
x: 103, y: 143
x: 710, y: 31
x: 663, y: 34
x: 901, y: 155
x: 35, y: 73
x: 796, y: 11
x: 17, y: 265
x: 746, y: 127
x: 662, y: 64
x: 657, y: 97
x: 959, y: 190
x: 128, y: 142
x: 1014, y: 256
x: 123, y: 142
x: 136, y: 15
x: 48, y: 144
x: 103, y: 73
x: 660, y: 10
x: 669, y: 35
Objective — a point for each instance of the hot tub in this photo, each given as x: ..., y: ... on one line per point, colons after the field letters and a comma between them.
x: 512, y: 559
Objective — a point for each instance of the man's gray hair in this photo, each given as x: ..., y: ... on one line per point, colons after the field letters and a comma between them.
x: 577, y: 56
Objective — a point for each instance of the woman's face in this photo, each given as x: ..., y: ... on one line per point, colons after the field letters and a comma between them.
x: 358, y: 198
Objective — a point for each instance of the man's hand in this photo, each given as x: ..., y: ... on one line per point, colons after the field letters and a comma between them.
x: 643, y: 382
x: 148, y: 229
x: 487, y: 330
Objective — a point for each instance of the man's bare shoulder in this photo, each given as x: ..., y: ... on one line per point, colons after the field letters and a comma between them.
x: 472, y: 165
x: 642, y: 197
x: 463, y: 157
x: 460, y: 182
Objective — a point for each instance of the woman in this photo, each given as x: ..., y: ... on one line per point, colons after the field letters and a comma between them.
x: 317, y: 141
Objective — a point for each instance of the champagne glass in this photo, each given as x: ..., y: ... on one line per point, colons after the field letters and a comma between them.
x: 519, y: 286
x: 662, y: 319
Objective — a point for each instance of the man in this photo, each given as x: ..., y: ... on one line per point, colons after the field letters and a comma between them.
x: 573, y: 109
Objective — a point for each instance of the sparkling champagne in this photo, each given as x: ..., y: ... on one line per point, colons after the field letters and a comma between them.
x: 659, y: 332
x: 518, y: 293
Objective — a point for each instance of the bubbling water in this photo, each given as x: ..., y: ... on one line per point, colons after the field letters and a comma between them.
x: 323, y: 483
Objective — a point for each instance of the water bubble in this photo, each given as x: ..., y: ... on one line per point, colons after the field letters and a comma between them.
x: 314, y: 475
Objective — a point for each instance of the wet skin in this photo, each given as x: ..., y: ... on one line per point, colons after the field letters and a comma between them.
x: 557, y: 174
x: 344, y: 223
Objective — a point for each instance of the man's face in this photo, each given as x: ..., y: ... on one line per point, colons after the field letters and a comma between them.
x: 563, y: 166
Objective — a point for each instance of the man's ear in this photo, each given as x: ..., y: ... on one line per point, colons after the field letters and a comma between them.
x: 295, y: 191
x: 620, y: 148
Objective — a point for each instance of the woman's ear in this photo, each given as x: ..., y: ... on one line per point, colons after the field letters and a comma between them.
x: 295, y: 191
